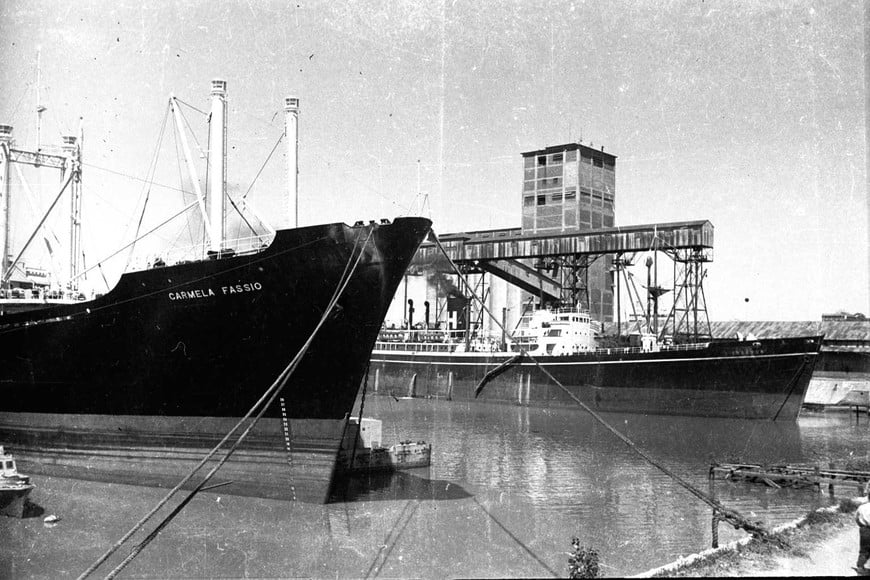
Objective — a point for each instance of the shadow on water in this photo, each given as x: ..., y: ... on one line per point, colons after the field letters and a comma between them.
x: 32, y: 510
x: 391, y: 486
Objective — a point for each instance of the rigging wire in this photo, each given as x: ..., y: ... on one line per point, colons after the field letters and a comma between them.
x: 184, y: 193
x: 192, y: 107
x: 149, y: 232
x: 244, y: 219
x: 256, y: 177
x: 91, y: 308
x: 196, y: 238
x: 133, y: 177
x: 268, y: 157
x: 146, y: 188
x: 195, y: 140
x: 733, y: 517
x: 208, y: 163
x: 268, y: 397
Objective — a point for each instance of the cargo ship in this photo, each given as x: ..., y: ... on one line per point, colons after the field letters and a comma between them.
x: 135, y: 385
x: 747, y: 379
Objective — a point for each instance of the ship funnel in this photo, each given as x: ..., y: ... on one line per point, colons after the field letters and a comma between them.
x: 291, y: 128
x: 217, y: 157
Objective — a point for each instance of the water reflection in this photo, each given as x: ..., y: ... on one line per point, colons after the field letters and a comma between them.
x: 560, y: 468
x: 402, y: 485
x: 507, y: 490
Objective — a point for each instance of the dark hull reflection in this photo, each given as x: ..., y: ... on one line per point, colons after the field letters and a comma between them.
x: 392, y: 486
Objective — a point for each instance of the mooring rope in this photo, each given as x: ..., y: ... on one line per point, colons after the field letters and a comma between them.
x: 268, y: 397
x: 731, y: 516
x: 793, y: 383
x: 362, y: 405
x: 88, y: 310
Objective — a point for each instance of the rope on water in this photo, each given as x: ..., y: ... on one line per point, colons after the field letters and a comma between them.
x: 262, y: 404
x: 728, y: 515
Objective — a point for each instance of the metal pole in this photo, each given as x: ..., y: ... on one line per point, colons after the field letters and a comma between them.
x: 217, y: 162
x: 656, y: 291
x: 291, y: 128
x: 695, y: 293
x: 73, y: 153
x: 618, y: 297
x: 5, y: 140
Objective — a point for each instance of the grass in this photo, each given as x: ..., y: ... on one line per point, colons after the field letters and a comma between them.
x: 762, y: 552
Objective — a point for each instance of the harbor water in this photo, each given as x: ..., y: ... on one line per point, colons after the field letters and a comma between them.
x: 508, y: 488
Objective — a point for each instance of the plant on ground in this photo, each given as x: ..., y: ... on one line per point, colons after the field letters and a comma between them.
x: 583, y: 562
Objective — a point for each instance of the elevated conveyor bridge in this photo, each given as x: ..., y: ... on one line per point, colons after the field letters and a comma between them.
x: 522, y: 258
x: 513, y: 244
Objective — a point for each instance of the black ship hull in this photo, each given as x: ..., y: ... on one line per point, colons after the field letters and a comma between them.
x: 159, y: 367
x: 763, y: 379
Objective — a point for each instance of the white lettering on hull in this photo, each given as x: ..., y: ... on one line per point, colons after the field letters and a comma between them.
x: 241, y: 288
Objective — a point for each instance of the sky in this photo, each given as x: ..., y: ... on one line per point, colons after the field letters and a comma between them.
x: 749, y: 114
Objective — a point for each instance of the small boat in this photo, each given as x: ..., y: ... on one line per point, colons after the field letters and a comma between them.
x: 14, y: 487
x: 361, y: 450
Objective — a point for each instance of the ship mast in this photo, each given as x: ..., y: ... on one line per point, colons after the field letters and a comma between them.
x: 291, y: 125
x: 5, y: 144
x: 72, y: 148
x: 217, y: 159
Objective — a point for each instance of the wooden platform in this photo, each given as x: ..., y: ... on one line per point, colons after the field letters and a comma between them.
x: 792, y: 475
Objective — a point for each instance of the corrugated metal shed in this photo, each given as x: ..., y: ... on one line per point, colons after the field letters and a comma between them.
x: 845, y: 331
x: 840, y: 335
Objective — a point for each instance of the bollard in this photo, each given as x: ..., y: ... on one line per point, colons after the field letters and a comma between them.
x: 412, y: 386
x: 450, y: 386
x: 715, y: 529
x: 377, y: 378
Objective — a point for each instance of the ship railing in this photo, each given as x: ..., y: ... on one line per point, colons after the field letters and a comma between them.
x: 434, y: 335
x: 18, y: 295
x: 198, y: 252
x: 687, y: 346
x: 638, y: 349
x: 479, y: 346
x: 416, y: 346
